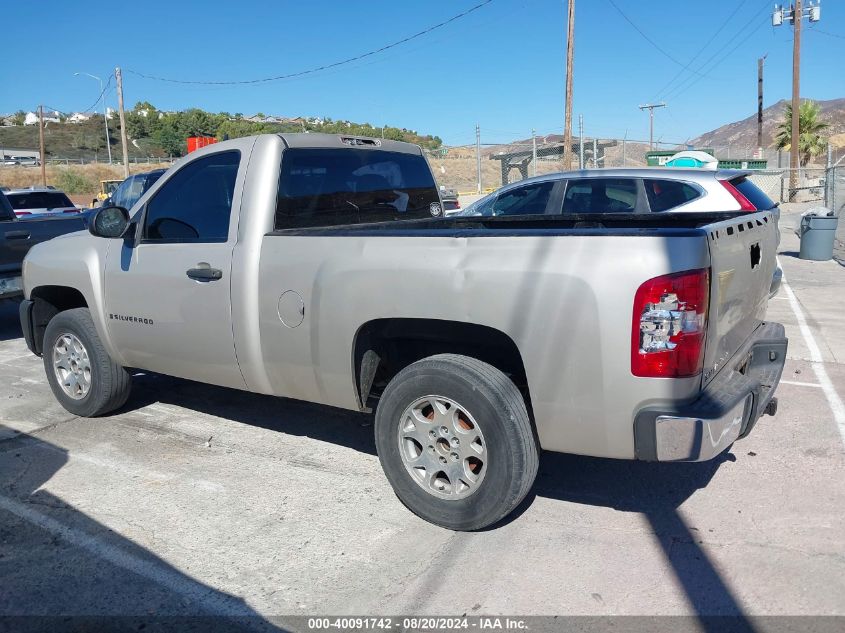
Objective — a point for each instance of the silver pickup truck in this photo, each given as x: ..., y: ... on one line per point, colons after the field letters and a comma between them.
x: 320, y: 268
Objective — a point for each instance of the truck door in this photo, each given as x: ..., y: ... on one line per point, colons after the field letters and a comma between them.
x: 168, y: 295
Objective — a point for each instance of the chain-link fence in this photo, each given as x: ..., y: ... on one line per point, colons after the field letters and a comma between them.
x: 458, y: 167
x: 488, y: 166
x: 835, y: 189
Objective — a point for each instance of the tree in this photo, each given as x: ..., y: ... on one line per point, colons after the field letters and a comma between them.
x: 19, y: 117
x: 810, y: 142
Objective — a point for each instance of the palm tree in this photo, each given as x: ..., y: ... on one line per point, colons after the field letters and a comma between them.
x: 810, y: 142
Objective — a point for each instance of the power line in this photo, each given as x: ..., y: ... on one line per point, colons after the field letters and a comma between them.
x: 691, y: 81
x: 647, y: 38
x: 701, y: 50
x: 818, y: 30
x: 325, y: 66
x: 94, y: 105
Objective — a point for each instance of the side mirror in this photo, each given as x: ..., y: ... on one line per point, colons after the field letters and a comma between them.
x: 109, y: 222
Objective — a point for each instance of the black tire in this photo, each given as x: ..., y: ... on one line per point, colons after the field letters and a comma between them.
x: 499, y: 411
x: 109, y: 382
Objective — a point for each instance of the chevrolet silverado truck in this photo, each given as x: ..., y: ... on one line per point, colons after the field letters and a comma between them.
x: 321, y: 268
x: 18, y: 235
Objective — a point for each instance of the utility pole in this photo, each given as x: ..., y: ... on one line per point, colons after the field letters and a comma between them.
x: 580, y: 141
x: 650, y: 107
x: 478, y: 154
x: 795, y: 14
x: 595, y: 152
x: 567, y: 115
x: 41, y: 144
x: 533, y: 152
x: 760, y: 105
x: 119, y: 78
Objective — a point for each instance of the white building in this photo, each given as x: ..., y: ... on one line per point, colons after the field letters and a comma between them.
x: 77, y: 117
x: 49, y: 117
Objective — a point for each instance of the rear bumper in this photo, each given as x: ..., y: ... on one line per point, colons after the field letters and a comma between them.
x: 726, y: 410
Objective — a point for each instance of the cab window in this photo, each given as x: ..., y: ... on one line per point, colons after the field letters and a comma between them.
x: 195, y: 204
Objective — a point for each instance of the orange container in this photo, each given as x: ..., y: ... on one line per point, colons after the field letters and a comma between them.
x: 196, y: 142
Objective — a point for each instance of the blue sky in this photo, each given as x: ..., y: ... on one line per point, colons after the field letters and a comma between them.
x: 502, y: 66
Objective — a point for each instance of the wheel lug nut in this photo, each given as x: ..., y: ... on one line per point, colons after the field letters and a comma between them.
x: 455, y: 457
x: 432, y: 433
x: 430, y: 449
x: 456, y: 441
x: 444, y: 430
x: 442, y: 459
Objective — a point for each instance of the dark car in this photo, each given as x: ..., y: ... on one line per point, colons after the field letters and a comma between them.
x: 19, y: 234
x: 131, y: 189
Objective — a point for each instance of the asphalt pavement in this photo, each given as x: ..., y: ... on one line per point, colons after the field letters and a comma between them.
x: 197, y: 500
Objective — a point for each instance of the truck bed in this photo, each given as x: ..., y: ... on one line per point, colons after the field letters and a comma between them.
x: 623, y: 224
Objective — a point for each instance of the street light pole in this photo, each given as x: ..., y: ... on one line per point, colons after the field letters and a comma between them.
x: 105, y: 118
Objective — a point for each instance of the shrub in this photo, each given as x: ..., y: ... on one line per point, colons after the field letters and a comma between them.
x: 71, y: 181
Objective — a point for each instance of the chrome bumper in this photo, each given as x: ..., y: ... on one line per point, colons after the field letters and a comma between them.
x: 725, y: 411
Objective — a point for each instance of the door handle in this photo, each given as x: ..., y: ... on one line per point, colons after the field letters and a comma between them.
x: 204, y: 272
x: 17, y: 235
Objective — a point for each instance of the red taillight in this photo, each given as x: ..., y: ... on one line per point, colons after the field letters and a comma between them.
x: 457, y: 204
x: 20, y: 213
x: 670, y: 319
x: 744, y: 203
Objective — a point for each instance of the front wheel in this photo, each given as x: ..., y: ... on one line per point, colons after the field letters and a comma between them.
x: 83, y: 377
x: 455, y: 440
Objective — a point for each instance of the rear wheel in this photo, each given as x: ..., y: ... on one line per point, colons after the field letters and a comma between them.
x: 455, y: 441
x: 82, y: 376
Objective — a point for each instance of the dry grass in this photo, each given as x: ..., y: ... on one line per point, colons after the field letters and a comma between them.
x: 92, y: 174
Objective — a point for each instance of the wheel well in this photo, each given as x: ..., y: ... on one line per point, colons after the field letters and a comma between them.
x: 48, y: 301
x: 384, y: 347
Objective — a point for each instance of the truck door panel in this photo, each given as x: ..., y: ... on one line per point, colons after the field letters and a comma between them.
x: 168, y: 295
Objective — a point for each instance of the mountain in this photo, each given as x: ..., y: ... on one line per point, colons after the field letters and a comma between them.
x: 744, y: 133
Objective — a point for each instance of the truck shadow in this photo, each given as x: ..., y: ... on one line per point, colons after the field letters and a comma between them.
x: 63, y: 570
x: 655, y: 490
x: 283, y: 415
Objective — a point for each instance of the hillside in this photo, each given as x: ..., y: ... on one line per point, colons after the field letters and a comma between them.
x: 162, y: 134
x: 744, y: 133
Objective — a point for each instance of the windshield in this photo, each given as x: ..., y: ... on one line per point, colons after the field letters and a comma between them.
x: 482, y: 206
x: 39, y: 200
x: 325, y: 187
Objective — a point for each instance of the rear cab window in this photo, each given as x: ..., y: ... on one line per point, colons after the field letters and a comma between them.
x: 321, y: 187
x: 664, y: 195
x: 754, y: 194
x: 39, y: 200
x: 600, y: 195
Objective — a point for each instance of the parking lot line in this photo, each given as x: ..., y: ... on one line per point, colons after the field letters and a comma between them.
x: 800, y: 384
x: 833, y: 399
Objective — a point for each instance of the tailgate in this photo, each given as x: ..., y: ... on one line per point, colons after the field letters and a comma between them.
x: 742, y: 262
